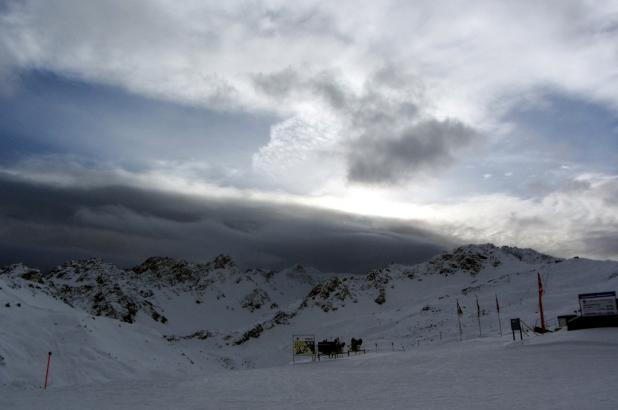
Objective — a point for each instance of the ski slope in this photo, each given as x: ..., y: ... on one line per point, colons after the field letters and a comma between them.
x: 565, y: 370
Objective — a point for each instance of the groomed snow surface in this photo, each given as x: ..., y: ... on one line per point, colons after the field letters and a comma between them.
x: 564, y: 370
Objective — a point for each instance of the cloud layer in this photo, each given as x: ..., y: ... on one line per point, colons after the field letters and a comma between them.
x: 45, y: 223
x: 476, y: 118
x: 337, y: 74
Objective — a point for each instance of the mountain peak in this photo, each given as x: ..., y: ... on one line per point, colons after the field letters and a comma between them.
x: 221, y: 262
x: 81, y: 269
x: 474, y: 258
x: 21, y: 271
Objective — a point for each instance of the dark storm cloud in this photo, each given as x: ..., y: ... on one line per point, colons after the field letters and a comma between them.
x: 598, y: 238
x: 600, y: 242
x: 278, y: 84
x: 375, y: 105
x: 427, y: 146
x: 42, y: 224
x: 387, y: 141
x: 328, y: 86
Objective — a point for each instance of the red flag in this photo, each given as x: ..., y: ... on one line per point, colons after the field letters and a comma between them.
x: 478, y: 307
x: 459, y: 311
x: 538, y: 275
x: 497, y: 305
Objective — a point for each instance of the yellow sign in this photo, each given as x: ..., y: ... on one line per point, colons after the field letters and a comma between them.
x: 303, y: 345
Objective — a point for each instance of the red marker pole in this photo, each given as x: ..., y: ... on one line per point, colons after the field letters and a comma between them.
x: 47, y: 370
x: 540, y: 283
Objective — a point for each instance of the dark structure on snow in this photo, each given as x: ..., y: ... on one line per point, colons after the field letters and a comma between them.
x: 597, y: 310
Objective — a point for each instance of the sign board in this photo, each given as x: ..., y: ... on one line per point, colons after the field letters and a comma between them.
x: 598, y: 304
x: 303, y: 345
x: 516, y: 325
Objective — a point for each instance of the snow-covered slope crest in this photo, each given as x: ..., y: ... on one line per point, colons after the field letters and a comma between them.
x: 144, y: 292
x: 178, y: 299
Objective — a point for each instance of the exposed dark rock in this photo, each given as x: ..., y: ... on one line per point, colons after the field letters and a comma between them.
x: 327, y: 294
x: 254, y: 333
x: 280, y: 318
x: 199, y: 335
x: 255, y: 300
x: 32, y: 276
x: 381, y: 297
x: 221, y: 262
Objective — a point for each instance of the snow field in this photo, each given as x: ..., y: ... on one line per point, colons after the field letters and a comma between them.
x: 574, y: 370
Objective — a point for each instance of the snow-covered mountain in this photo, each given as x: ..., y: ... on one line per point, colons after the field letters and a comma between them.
x: 169, y: 317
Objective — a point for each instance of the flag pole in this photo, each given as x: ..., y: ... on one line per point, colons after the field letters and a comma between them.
x: 459, y: 314
x: 498, y: 310
x: 47, y: 370
x: 460, y: 329
x: 478, y: 315
x: 540, y: 283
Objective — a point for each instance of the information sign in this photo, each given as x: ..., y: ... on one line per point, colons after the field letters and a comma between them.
x: 516, y: 325
x: 303, y: 345
x: 598, y: 304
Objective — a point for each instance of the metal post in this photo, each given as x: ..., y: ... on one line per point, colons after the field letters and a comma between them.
x: 479, y: 320
x: 498, y: 310
x: 459, y: 315
x: 478, y: 315
x: 460, y: 329
x: 47, y: 369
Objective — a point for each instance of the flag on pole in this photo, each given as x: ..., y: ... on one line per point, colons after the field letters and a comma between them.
x: 459, y: 311
x: 497, y: 305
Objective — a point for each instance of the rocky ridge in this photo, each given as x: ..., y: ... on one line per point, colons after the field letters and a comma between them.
x: 102, y: 289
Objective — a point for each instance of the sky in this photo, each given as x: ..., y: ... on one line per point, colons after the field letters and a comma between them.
x: 334, y: 134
